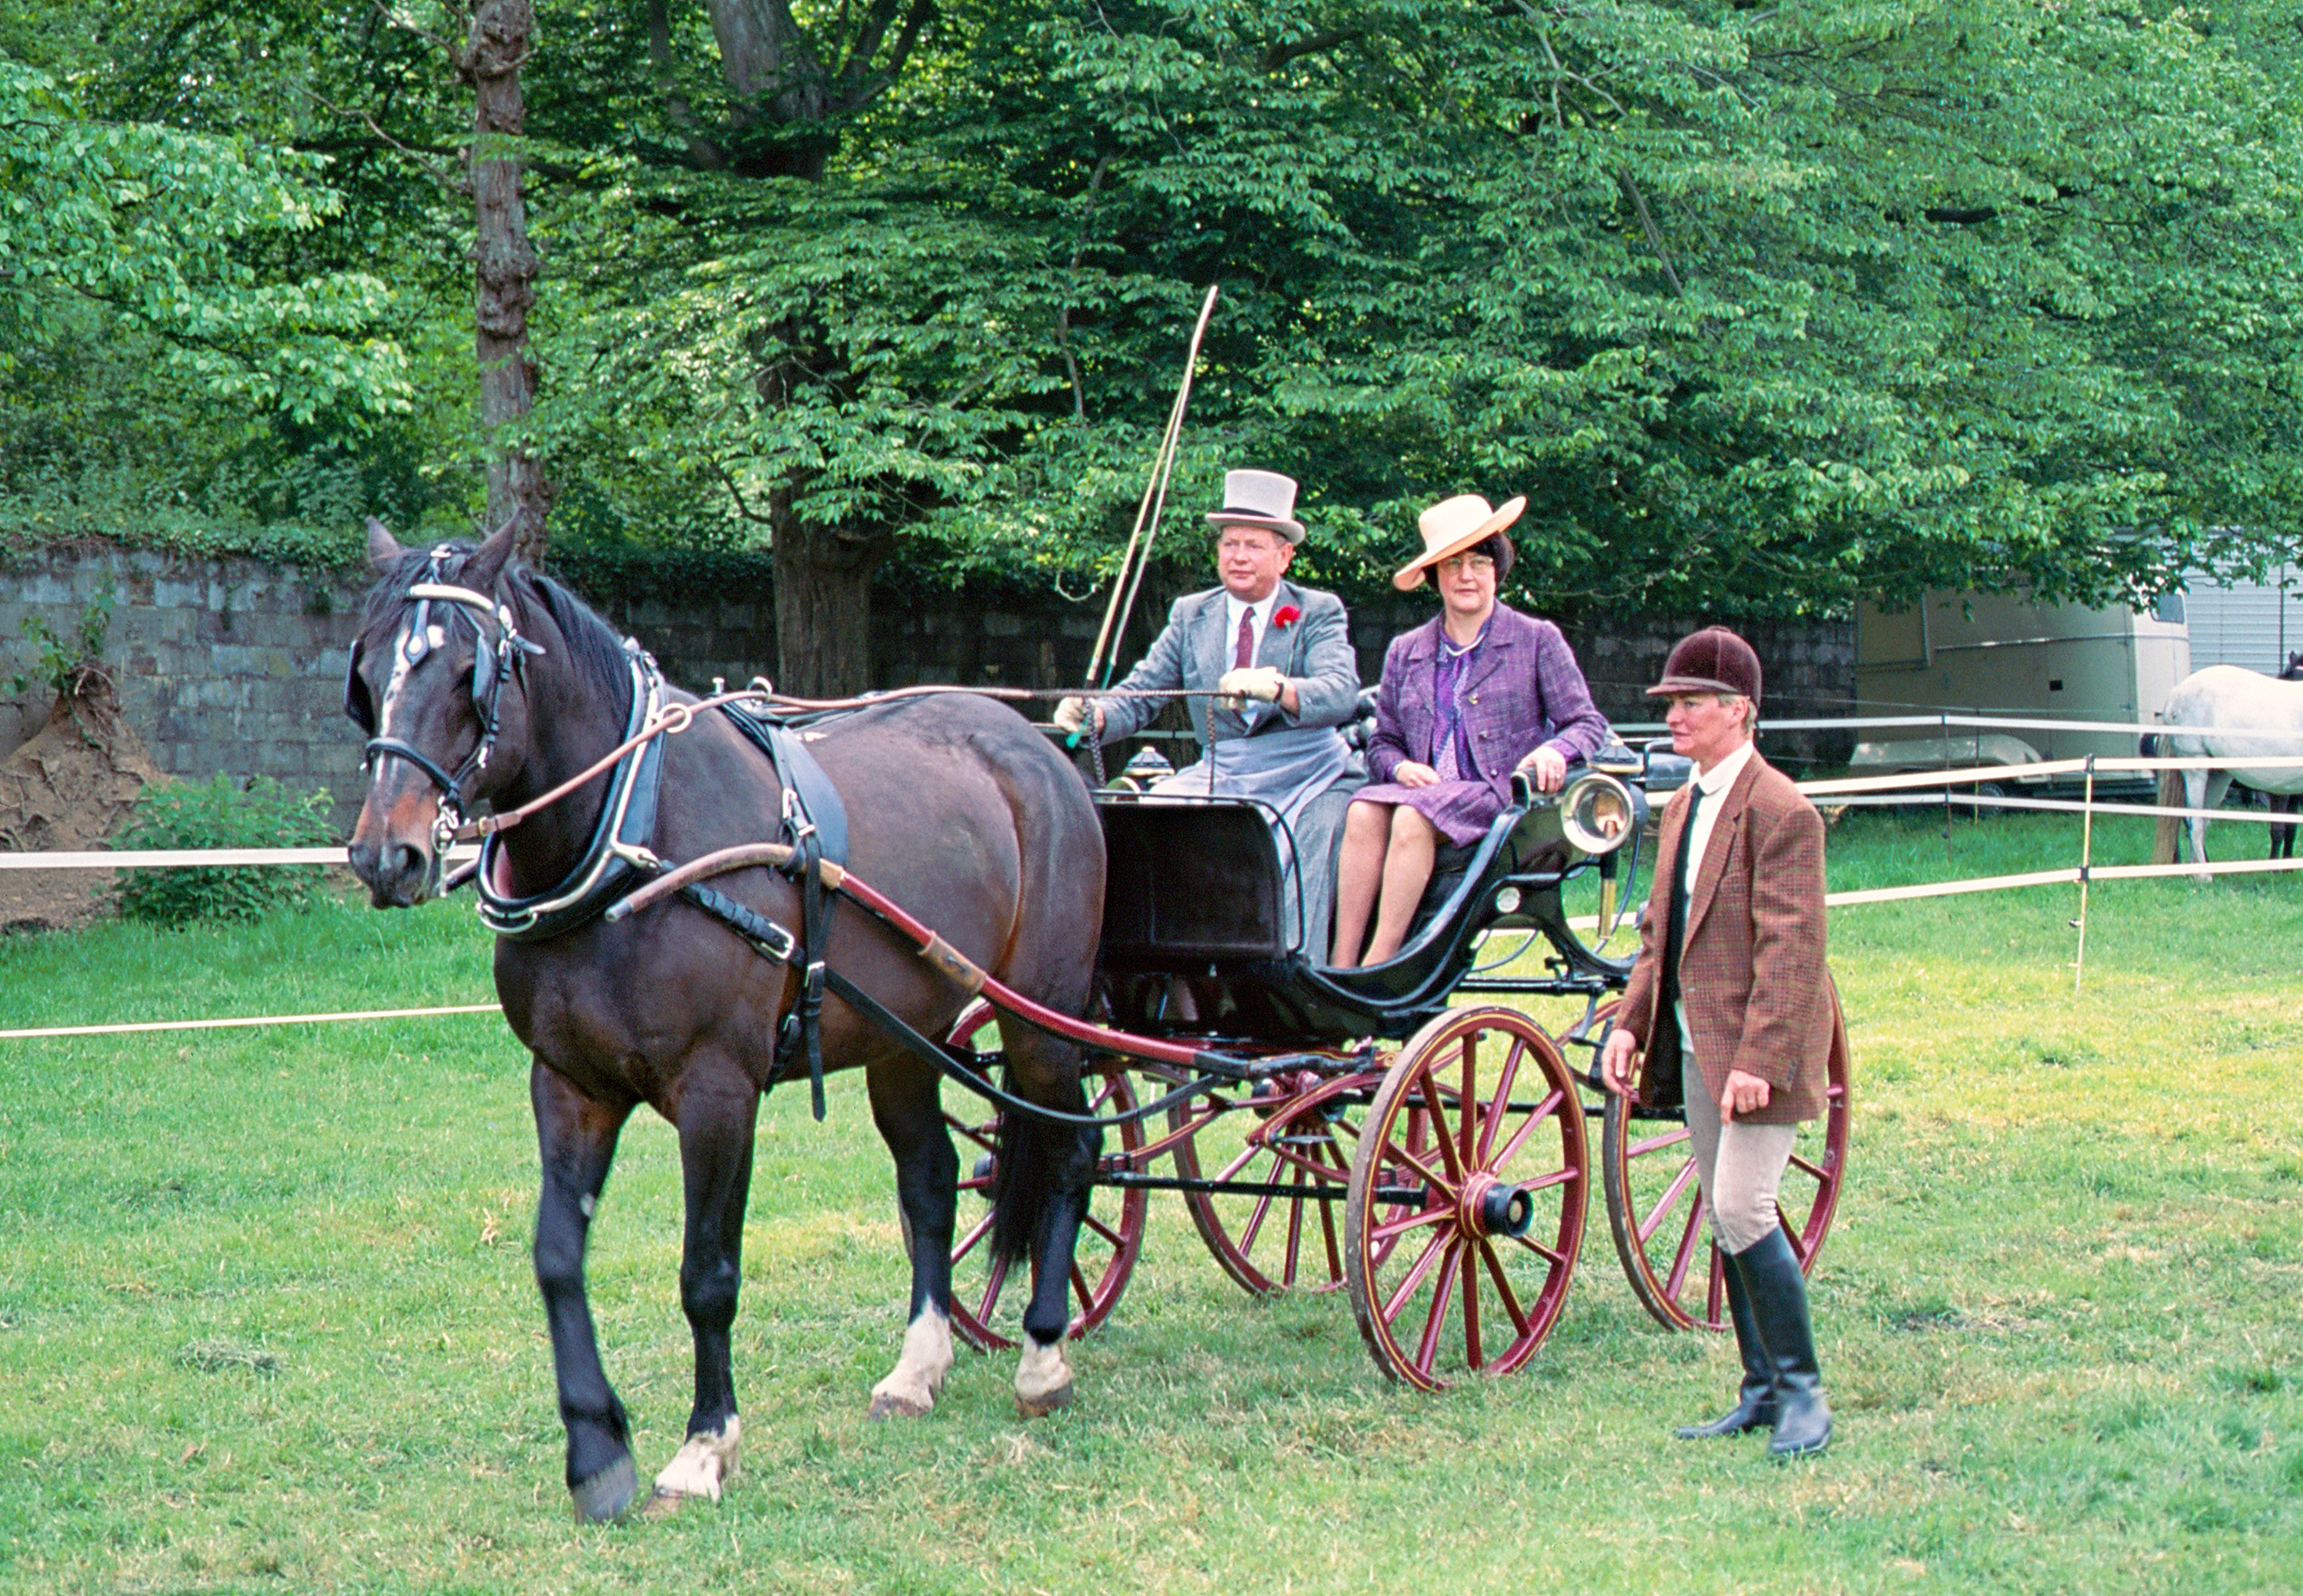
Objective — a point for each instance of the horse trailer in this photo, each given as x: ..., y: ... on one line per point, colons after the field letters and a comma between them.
x: 1987, y: 653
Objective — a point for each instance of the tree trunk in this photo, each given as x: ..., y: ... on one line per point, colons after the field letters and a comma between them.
x: 823, y: 605
x: 504, y: 264
x: 782, y: 103
x: 776, y: 87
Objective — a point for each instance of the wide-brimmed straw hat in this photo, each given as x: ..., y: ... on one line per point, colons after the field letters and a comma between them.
x: 1714, y: 660
x: 1259, y: 499
x: 1452, y: 526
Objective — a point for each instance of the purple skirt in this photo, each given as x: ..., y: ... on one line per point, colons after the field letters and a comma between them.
x: 1460, y: 811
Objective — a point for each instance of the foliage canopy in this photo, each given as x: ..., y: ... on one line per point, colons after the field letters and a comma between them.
x: 1761, y: 308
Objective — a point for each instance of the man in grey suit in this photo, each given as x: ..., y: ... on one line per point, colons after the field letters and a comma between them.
x: 1281, y: 657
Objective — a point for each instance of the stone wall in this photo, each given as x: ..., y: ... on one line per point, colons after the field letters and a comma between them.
x: 222, y: 664
x: 234, y: 666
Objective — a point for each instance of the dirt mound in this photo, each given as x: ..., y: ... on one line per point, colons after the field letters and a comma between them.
x: 72, y: 787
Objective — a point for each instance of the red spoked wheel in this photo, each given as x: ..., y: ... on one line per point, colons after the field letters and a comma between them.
x: 1292, y: 1140
x: 1107, y: 1243
x: 1467, y: 1193
x: 1656, y: 1209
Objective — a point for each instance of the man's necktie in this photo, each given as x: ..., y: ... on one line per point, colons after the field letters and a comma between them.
x: 1676, y: 928
x: 1243, y: 655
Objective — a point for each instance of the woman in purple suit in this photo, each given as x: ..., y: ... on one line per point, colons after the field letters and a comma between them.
x: 1476, y: 693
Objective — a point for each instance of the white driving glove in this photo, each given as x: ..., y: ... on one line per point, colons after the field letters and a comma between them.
x: 1263, y: 683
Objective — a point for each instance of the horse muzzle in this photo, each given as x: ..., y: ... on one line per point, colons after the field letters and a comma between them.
x: 392, y: 853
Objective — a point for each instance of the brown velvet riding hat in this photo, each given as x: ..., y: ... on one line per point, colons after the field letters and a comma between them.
x: 1452, y: 526
x: 1714, y: 660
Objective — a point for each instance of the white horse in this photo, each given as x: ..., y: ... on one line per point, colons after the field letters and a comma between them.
x: 2267, y: 715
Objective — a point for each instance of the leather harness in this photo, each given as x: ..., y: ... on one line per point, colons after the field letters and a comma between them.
x: 815, y: 821
x: 815, y: 824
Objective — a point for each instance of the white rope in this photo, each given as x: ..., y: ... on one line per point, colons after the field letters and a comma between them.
x: 2048, y: 878
x: 1981, y: 722
x: 1970, y: 774
x: 174, y: 858
x: 1960, y: 800
x: 1852, y: 789
x: 228, y: 1025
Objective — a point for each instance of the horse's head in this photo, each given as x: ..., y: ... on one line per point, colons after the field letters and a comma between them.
x: 436, y: 682
x: 2294, y: 671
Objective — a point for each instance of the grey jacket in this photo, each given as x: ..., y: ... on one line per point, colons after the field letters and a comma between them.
x: 1314, y: 651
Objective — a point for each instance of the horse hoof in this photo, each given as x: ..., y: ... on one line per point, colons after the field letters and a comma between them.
x: 607, y: 1495
x: 887, y: 1405
x: 1046, y: 1403
x: 663, y: 1504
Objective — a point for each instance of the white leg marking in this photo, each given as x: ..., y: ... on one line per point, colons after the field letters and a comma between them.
x: 704, y: 1464
x: 910, y: 1391
x: 1043, y: 1380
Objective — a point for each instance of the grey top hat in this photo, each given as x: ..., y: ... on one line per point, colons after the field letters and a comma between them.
x: 1259, y: 499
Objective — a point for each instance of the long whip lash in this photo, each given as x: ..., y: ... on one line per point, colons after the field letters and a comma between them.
x: 1147, y: 517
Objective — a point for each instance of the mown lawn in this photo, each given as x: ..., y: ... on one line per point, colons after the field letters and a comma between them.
x: 266, y: 1321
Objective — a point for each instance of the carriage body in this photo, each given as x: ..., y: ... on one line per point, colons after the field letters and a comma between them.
x: 1194, y: 916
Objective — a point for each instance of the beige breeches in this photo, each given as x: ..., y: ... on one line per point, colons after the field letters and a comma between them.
x: 1738, y: 1165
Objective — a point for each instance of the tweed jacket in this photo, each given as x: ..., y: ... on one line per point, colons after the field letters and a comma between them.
x: 1751, y: 970
x: 1196, y: 648
x: 1526, y: 690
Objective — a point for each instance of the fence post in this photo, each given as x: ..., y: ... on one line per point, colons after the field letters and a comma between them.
x: 1946, y: 792
x: 2086, y: 858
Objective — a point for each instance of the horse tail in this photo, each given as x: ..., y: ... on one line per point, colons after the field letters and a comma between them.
x: 2166, y: 835
x: 1035, y: 1162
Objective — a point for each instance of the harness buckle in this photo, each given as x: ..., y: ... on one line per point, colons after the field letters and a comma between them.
x: 446, y: 821
x: 639, y: 854
x: 797, y: 820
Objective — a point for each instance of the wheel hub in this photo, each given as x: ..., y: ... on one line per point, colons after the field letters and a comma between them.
x: 1493, y: 1207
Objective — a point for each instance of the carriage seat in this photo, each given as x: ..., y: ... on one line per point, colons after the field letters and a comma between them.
x: 1359, y: 731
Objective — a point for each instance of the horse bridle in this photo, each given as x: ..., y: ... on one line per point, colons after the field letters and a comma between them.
x: 491, y: 667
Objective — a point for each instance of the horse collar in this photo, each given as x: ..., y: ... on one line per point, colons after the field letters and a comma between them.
x: 618, y: 850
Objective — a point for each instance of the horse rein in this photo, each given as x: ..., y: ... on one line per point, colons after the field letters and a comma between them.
x: 676, y: 719
x: 508, y: 659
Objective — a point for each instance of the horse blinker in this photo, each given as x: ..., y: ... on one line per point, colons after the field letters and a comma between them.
x: 359, y: 707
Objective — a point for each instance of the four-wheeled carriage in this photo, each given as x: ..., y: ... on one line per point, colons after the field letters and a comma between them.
x: 1433, y: 1159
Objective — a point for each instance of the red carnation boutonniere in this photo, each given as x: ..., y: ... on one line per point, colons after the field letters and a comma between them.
x: 1286, y: 616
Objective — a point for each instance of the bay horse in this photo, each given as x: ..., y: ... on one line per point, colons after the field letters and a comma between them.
x: 2233, y: 714
x: 480, y: 680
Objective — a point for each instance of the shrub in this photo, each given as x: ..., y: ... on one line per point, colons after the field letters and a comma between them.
x: 217, y: 812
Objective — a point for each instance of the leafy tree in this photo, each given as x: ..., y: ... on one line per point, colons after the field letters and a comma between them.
x: 145, y: 222
x: 1763, y: 307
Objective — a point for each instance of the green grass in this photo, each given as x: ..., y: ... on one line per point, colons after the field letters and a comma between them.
x: 266, y: 1321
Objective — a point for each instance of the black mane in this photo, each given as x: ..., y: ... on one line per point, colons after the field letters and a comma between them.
x: 595, y: 654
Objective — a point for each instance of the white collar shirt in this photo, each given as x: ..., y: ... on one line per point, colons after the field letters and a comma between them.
x: 1714, y: 784
x: 1234, y: 608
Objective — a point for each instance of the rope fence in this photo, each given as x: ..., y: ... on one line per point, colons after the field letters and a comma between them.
x: 139, y: 1026
x: 1852, y: 792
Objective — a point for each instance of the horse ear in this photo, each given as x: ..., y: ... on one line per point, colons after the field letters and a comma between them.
x: 383, y: 552
x: 488, y: 560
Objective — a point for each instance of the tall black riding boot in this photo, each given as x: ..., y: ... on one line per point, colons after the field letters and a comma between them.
x: 1755, y: 1403
x: 1771, y: 1275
